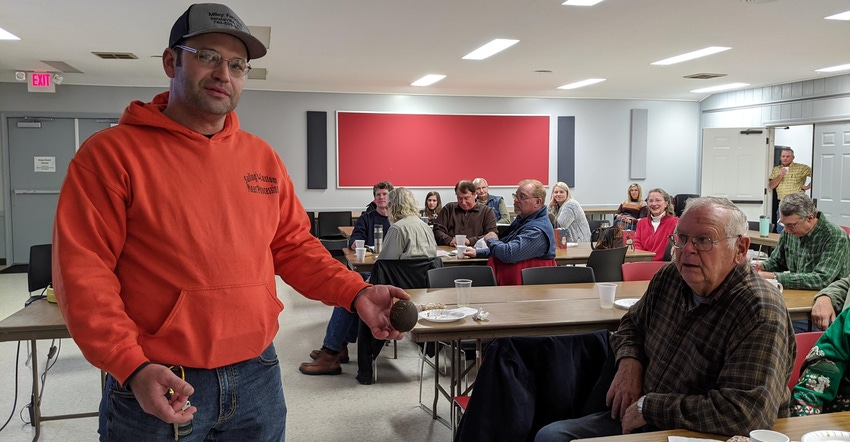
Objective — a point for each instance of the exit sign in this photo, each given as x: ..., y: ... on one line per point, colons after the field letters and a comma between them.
x: 40, y: 82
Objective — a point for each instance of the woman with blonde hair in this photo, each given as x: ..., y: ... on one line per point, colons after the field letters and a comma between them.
x: 633, y: 208
x: 433, y: 206
x: 568, y: 214
x: 408, y: 237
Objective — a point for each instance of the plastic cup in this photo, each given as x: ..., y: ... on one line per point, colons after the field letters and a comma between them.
x: 767, y: 436
x: 358, y: 243
x: 460, y: 240
x: 607, y: 291
x: 460, y: 250
x: 462, y: 287
x: 360, y: 253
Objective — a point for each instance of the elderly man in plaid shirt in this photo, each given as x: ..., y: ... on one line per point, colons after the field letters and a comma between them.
x: 708, y: 348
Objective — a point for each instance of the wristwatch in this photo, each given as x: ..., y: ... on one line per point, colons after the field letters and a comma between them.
x: 639, y: 404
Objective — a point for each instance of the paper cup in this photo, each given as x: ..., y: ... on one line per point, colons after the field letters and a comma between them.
x: 767, y: 436
x: 607, y: 291
x: 462, y: 287
x: 360, y: 253
x: 460, y: 250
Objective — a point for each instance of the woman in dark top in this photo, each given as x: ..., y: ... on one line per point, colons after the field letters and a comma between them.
x: 433, y: 206
x: 632, y: 209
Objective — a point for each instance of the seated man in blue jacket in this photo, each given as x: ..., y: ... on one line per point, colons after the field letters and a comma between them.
x: 528, y: 242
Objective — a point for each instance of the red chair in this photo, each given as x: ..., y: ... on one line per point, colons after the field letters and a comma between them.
x: 459, y: 404
x: 805, y: 342
x: 846, y: 229
x: 641, y: 271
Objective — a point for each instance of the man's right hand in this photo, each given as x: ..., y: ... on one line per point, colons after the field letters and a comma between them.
x: 822, y: 312
x: 150, y: 386
x: 626, y: 387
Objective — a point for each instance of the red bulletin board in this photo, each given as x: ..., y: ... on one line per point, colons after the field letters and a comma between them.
x: 419, y: 150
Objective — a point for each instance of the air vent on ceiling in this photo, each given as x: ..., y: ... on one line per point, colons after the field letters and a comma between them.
x: 257, y: 74
x: 116, y: 55
x: 704, y: 76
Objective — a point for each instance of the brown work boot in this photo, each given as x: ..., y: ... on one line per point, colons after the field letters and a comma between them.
x: 325, y: 363
x: 343, y: 354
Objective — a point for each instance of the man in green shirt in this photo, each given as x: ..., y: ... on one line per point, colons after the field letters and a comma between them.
x: 812, y: 253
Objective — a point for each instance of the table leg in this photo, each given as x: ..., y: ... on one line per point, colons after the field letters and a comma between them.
x: 35, y: 405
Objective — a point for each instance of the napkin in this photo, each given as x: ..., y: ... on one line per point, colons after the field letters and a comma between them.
x: 480, y: 244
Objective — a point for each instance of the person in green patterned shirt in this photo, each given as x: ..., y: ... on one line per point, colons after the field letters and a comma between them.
x: 824, y: 385
x: 812, y: 252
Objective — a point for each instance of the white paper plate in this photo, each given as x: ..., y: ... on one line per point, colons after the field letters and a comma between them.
x: 442, y: 315
x: 625, y: 303
x: 572, y: 244
x: 826, y: 436
x: 467, y: 311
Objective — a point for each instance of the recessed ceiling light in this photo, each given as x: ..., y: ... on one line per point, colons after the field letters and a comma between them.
x: 581, y: 2
x: 691, y: 55
x: 582, y: 83
x: 494, y: 47
x: 428, y: 80
x: 722, y: 87
x: 6, y: 35
x: 841, y: 67
x: 842, y: 16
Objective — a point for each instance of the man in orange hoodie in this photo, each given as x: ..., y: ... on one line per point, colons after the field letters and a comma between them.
x: 169, y: 232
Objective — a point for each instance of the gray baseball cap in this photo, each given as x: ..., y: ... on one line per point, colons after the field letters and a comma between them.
x: 203, y: 18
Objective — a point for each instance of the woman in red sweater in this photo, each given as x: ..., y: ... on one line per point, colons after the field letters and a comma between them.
x: 652, y: 232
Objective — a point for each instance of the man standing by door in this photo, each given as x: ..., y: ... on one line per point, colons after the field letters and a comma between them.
x: 788, y: 178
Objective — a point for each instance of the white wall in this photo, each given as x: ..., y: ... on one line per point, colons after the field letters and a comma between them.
x: 602, y: 134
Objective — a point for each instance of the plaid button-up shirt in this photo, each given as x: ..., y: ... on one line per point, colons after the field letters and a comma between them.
x: 722, y: 367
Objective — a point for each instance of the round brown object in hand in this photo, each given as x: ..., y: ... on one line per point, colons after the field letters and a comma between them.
x: 403, y: 315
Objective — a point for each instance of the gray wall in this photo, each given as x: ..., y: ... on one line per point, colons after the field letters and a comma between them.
x: 602, y: 134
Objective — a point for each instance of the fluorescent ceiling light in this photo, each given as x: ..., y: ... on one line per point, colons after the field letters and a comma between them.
x: 6, y: 35
x: 494, y: 47
x: 691, y: 55
x: 842, y: 16
x: 841, y: 67
x: 428, y: 80
x: 581, y: 2
x: 722, y: 87
x: 582, y: 83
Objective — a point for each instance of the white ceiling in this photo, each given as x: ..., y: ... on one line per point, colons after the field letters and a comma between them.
x: 381, y: 46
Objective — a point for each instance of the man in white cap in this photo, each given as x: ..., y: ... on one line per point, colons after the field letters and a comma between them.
x: 169, y: 232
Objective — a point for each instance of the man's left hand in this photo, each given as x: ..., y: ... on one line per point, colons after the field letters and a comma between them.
x: 632, y: 419
x: 373, y: 305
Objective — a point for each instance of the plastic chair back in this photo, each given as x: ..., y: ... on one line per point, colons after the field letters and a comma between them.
x: 557, y: 275
x: 481, y: 276
x: 607, y: 264
x: 40, y: 269
x: 641, y: 271
x: 805, y: 342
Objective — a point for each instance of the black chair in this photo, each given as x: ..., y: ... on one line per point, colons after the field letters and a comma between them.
x: 39, y: 270
x: 595, y: 225
x: 679, y: 202
x: 312, y: 216
x: 402, y: 273
x: 754, y: 225
x: 607, y: 264
x: 328, y: 229
x: 557, y: 275
x: 481, y: 276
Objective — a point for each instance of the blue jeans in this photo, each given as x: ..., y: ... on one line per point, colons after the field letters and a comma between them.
x: 342, y: 328
x: 238, y: 402
x: 779, y: 226
x: 593, y: 425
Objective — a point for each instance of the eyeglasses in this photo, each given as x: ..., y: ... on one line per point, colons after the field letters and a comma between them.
x: 701, y: 243
x: 238, y: 67
x: 522, y: 197
x: 793, y: 226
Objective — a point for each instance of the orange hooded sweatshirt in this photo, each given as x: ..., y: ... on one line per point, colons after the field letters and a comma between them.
x: 166, y: 245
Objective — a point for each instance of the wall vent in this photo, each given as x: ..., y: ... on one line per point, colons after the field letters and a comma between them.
x: 116, y: 55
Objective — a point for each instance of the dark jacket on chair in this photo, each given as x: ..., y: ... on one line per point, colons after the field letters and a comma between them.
x: 525, y: 383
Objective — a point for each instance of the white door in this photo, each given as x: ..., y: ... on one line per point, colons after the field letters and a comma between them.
x: 831, y: 186
x: 735, y: 166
